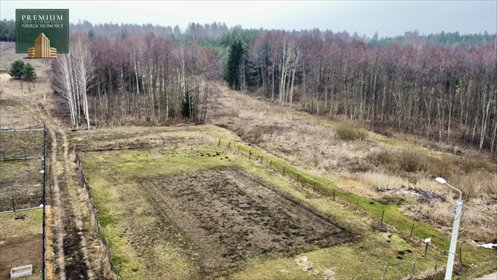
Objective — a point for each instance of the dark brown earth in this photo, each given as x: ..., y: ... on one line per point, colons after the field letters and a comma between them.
x: 227, y: 217
x: 21, y: 253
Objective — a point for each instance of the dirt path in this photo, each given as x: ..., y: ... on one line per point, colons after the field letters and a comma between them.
x: 55, y: 219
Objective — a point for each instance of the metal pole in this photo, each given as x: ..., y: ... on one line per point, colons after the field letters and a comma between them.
x: 453, y: 240
x: 455, y: 229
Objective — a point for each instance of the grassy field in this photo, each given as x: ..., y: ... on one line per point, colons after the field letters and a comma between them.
x: 137, y: 232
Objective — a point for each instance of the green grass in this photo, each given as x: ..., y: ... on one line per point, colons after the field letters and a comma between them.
x: 111, y: 186
x: 111, y: 189
x: 123, y: 167
x: 11, y: 228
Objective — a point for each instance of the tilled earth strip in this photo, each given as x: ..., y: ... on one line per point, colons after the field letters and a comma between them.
x: 227, y: 216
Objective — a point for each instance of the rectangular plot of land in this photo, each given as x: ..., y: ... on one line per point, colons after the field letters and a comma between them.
x: 20, y: 184
x: 20, y: 144
x: 228, y: 217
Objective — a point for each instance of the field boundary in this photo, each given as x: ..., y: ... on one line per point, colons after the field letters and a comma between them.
x: 385, y: 217
x: 21, y: 210
x: 107, y: 260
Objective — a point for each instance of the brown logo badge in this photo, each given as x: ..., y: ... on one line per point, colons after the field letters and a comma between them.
x: 42, y: 48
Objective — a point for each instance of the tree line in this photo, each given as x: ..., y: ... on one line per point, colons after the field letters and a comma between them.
x: 119, y: 75
x: 441, y: 91
x: 137, y: 79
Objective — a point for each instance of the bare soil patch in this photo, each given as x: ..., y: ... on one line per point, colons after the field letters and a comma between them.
x: 18, y: 252
x: 227, y: 216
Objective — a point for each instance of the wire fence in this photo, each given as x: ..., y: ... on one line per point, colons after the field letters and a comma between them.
x: 21, y: 161
x: 23, y: 174
x: 108, y: 271
x: 411, y: 230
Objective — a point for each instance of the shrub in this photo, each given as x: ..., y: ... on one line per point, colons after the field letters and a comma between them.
x: 411, y: 162
x: 346, y: 131
x: 439, y: 167
x: 381, y: 158
x: 468, y: 165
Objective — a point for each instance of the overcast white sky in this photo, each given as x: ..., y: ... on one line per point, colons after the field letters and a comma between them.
x: 364, y: 17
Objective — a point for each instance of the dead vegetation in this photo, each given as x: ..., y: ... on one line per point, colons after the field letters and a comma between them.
x: 347, y: 131
x: 368, y: 163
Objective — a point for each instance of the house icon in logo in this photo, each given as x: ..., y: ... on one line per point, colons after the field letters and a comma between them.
x: 42, y: 48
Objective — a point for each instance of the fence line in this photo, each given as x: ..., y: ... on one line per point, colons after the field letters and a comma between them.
x: 21, y: 209
x: 293, y: 173
x: 13, y: 129
x: 94, y: 219
x: 286, y: 170
x: 21, y: 158
x: 44, y: 202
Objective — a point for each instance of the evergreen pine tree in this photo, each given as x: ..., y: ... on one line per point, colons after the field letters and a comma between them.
x: 185, y: 108
x: 17, y: 69
x: 29, y: 73
x: 232, y: 75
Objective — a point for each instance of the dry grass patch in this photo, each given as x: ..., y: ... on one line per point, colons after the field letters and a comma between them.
x: 347, y: 131
x: 477, y: 184
x: 381, y: 181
